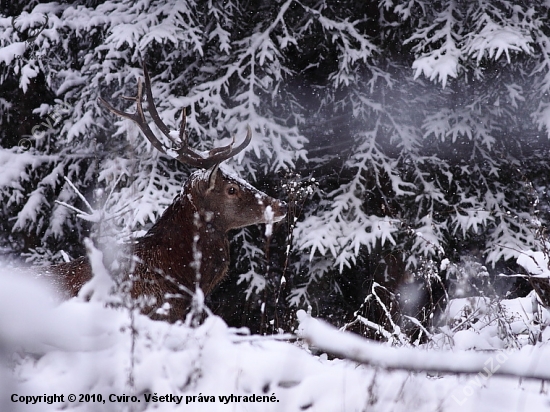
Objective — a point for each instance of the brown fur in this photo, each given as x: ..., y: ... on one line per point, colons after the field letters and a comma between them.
x: 211, y: 204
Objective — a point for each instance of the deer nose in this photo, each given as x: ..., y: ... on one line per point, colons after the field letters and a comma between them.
x: 283, y: 207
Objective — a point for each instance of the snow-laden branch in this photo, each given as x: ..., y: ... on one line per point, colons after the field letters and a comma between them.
x: 442, y: 62
x: 459, y: 35
x: 531, y: 363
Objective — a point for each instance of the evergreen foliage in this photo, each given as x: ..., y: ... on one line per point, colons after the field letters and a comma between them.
x: 418, y: 130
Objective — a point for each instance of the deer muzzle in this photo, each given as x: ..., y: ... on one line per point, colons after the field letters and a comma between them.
x: 279, y: 210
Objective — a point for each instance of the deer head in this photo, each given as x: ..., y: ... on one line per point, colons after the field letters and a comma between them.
x: 231, y: 202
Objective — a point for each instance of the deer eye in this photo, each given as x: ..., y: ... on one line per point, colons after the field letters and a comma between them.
x: 232, y: 190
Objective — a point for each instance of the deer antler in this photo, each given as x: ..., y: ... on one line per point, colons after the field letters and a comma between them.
x: 182, y: 152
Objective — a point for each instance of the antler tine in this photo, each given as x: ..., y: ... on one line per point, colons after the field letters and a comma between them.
x: 215, y: 156
x: 185, y: 154
x: 151, y: 106
x: 138, y: 117
x: 184, y: 137
x: 219, y: 154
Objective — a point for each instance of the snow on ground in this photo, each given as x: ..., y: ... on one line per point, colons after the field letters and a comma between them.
x: 79, y: 347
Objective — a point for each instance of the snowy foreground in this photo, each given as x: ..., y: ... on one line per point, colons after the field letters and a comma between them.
x: 83, y: 348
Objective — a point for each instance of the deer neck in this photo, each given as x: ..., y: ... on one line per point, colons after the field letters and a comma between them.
x: 182, y: 237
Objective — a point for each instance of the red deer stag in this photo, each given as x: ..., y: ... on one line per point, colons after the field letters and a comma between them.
x: 210, y: 204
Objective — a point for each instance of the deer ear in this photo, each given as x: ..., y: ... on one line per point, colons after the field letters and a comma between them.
x: 213, y: 172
